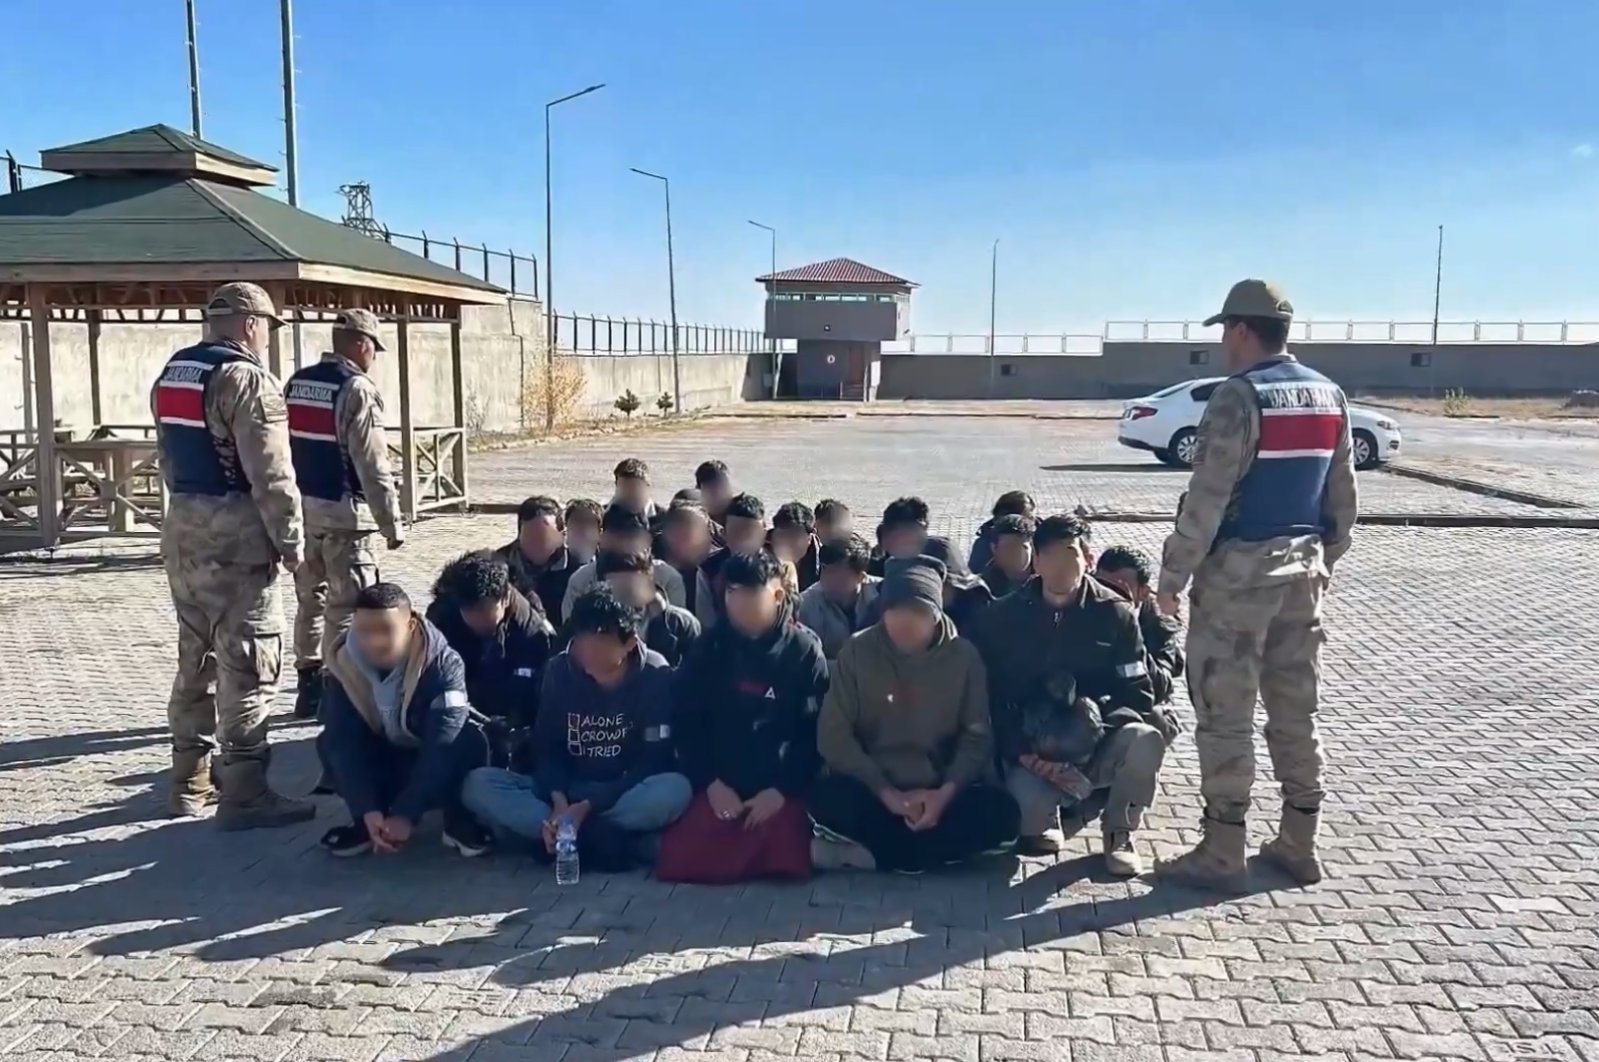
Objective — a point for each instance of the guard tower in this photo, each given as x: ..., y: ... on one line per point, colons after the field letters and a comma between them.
x: 839, y: 313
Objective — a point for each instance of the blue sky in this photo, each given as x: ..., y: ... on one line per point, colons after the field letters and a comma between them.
x: 1132, y: 157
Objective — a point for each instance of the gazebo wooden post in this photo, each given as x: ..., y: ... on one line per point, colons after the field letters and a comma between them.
x: 402, y: 357
x: 275, y: 355
x: 458, y: 458
x: 48, y: 479
x: 95, y: 411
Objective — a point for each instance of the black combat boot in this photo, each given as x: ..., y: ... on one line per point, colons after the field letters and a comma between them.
x: 308, y: 696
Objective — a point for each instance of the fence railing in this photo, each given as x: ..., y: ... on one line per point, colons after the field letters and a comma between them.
x: 516, y: 273
x: 1005, y: 344
x: 578, y: 334
x: 1412, y: 333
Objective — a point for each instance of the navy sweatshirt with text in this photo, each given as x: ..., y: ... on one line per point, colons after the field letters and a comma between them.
x: 602, y: 741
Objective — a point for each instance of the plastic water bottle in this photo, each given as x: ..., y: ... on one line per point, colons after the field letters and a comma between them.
x: 566, y: 869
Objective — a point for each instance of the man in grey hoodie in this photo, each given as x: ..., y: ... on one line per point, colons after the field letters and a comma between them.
x: 839, y: 603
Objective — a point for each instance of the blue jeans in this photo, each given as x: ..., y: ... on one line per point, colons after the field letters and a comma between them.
x: 505, y: 803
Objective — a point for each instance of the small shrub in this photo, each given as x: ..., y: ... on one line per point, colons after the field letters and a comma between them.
x: 665, y: 403
x: 1456, y: 402
x: 628, y: 403
x: 553, y: 394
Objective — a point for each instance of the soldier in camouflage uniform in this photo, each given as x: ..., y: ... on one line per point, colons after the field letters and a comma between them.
x: 1269, y: 510
x: 341, y: 462
x: 233, y: 513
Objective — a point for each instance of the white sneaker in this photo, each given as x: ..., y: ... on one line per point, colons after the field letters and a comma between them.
x: 840, y: 855
x: 1120, y: 857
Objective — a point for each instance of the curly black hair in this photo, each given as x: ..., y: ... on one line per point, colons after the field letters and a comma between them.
x: 1126, y: 558
x: 585, y: 508
x: 1014, y: 524
x: 631, y: 468
x: 712, y: 471
x: 540, y: 505
x: 748, y: 506
x: 473, y: 578
x: 623, y: 518
x: 600, y: 611
x: 380, y: 597
x: 831, y: 509
x: 615, y: 561
x: 903, y: 511
x: 794, y: 516
x: 751, y: 570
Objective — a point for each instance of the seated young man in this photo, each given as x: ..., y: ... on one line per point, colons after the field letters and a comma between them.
x: 905, y: 736
x: 624, y: 530
x: 748, y: 696
x: 1064, y: 659
x: 841, y: 601
x: 583, y: 516
x: 686, y: 542
x: 602, y: 747
x: 1012, y: 566
x: 745, y: 532
x: 398, y: 735
x: 1129, y: 570
x: 793, y: 539
x: 833, y: 520
x: 539, y: 558
x: 632, y: 480
x: 966, y: 597
x: 504, y: 643
x: 1011, y: 503
x: 667, y: 629
x: 715, y: 484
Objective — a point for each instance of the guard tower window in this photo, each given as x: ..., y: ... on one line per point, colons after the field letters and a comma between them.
x: 1007, y: 369
x: 1199, y: 357
x: 1420, y: 359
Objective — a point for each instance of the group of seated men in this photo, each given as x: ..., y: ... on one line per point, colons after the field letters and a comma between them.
x: 723, y: 697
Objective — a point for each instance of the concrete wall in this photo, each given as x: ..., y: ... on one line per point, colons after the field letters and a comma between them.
x: 1126, y: 370
x: 501, y: 347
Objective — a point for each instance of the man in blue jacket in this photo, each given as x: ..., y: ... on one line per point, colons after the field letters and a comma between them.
x: 602, y: 746
x: 399, y: 735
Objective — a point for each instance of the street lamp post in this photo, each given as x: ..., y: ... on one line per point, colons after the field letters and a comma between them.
x: 993, y: 305
x: 1437, y: 300
x: 671, y: 286
x: 549, y: 267
x: 777, y: 365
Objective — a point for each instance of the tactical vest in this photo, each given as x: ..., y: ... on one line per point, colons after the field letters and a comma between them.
x: 196, y: 461
x: 1302, y: 420
x: 322, y: 463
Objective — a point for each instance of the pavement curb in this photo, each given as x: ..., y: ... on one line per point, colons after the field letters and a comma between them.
x: 1472, y: 486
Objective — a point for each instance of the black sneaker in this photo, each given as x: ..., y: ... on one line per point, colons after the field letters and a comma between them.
x: 468, y: 838
x: 342, y: 842
x: 308, y: 695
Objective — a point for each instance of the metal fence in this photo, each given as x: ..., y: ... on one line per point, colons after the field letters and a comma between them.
x: 516, y: 273
x: 1006, y: 344
x: 577, y: 334
x: 1410, y: 333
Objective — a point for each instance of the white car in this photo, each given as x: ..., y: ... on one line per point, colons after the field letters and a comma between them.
x: 1164, y: 424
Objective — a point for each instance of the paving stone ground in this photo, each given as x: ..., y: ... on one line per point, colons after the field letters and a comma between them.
x: 1460, y: 918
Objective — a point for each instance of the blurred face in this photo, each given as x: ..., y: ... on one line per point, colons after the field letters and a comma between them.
x: 1014, y: 555
x: 383, y: 634
x: 602, y: 656
x: 539, y: 537
x: 716, y: 494
x: 745, y: 535
x: 839, y: 526
x: 906, y: 540
x: 1238, y: 344
x: 1126, y: 580
x: 583, y: 534
x: 841, y: 584
x: 625, y: 541
x: 636, y: 588
x: 257, y: 334
x: 910, y: 626
x: 753, y: 609
x: 790, y: 543
x: 689, y: 541
x: 1061, y: 566
x: 633, y: 492
x: 484, y: 617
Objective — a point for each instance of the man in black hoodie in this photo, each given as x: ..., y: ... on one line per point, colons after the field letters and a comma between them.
x: 503, y: 640
x: 669, y: 630
x: 793, y: 539
x: 540, y: 560
x: 398, y: 734
x: 748, y: 698
x: 1011, y: 503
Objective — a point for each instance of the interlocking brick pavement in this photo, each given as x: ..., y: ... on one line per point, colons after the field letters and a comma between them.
x: 1458, y: 921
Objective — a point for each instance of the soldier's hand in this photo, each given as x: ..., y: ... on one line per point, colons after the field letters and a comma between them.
x: 1169, y: 605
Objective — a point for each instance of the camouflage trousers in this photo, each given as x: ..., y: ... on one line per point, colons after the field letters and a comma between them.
x: 338, y: 565
x: 230, y: 651
x: 1260, y: 641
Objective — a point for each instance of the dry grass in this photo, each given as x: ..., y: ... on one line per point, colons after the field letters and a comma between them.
x: 1511, y: 408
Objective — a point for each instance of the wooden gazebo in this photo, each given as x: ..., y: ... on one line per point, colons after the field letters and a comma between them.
x: 145, y: 226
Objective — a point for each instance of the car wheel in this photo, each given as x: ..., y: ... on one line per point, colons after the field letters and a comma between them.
x: 1184, y: 448
x: 1363, y: 447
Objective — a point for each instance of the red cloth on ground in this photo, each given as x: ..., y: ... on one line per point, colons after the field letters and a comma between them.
x: 701, y: 849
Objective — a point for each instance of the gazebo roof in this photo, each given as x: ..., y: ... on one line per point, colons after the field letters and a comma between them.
x: 155, y: 205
